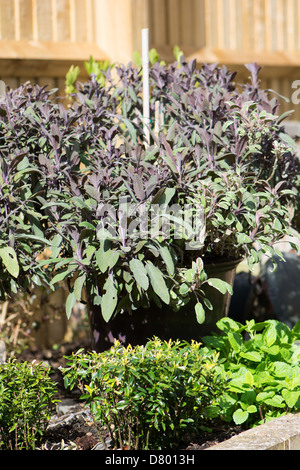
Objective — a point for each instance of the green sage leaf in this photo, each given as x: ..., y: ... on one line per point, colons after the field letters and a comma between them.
x: 70, y: 302
x: 140, y: 273
x: 158, y: 282
x: 200, y: 313
x: 78, y: 285
x: 109, y: 299
x: 10, y: 261
x: 168, y: 259
x: 220, y: 285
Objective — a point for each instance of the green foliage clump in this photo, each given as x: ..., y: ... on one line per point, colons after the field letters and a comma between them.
x: 261, y: 363
x: 148, y: 396
x: 92, y: 67
x: 26, y: 399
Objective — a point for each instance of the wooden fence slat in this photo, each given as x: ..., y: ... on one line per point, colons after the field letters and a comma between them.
x: 199, y: 23
x: 186, y: 21
x: 80, y: 21
x: 7, y: 27
x: 207, y: 12
x: 232, y: 25
x: 140, y: 20
x: 227, y: 32
x: 26, y: 19
x: 258, y: 17
x: 44, y: 20
x: 268, y: 28
x: 220, y: 23
x: 17, y: 20
x: 280, y: 25
x: 290, y: 25
x: 54, y: 21
x: 214, y: 24
x: 90, y: 19
x: 298, y: 23
x: 35, y: 28
x: 159, y: 22
x: 239, y: 32
x: 246, y: 8
x: 72, y: 20
x: 63, y: 20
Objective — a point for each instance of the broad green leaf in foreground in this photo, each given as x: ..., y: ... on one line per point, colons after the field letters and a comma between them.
x: 200, y: 313
x: 9, y: 259
x: 140, y: 273
x: 78, y: 285
x: 240, y: 416
x: 158, y: 282
x: 220, y: 285
x: 70, y: 302
x: 109, y: 299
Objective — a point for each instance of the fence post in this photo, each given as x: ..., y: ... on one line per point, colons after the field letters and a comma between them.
x: 146, y: 106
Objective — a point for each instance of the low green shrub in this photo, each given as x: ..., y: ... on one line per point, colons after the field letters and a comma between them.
x: 26, y: 399
x: 261, y: 363
x: 147, y: 396
x: 150, y: 396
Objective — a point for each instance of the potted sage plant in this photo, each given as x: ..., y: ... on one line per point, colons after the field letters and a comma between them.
x: 222, y: 148
x: 137, y: 228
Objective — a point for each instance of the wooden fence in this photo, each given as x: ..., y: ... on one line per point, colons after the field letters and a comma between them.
x: 40, y: 39
x: 234, y: 32
x: 258, y: 28
x: 47, y: 20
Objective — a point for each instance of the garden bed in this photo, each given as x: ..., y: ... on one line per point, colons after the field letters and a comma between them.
x: 71, y: 425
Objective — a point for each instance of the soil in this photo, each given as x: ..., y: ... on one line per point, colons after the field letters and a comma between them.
x: 88, y: 438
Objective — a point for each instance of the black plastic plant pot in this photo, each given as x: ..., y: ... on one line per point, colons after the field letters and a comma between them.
x: 140, y: 326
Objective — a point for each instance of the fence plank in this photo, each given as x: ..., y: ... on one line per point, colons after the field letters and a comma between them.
x: 174, y: 26
x: 140, y: 20
x: 159, y: 22
x: 186, y: 22
x: 7, y: 11
x: 297, y: 23
x: 79, y: 21
x: 290, y: 25
x: 280, y: 18
x: 246, y: 15
x: 90, y: 21
x: 268, y: 25
x: 198, y: 23
x: 44, y: 20
x: 62, y: 18
x: 258, y: 23
x: 220, y: 11
x: 26, y: 19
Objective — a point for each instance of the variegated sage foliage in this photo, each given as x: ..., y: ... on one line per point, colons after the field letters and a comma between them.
x: 76, y: 170
x: 22, y: 223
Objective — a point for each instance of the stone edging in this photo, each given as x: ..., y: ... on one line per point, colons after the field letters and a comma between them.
x: 279, y: 434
